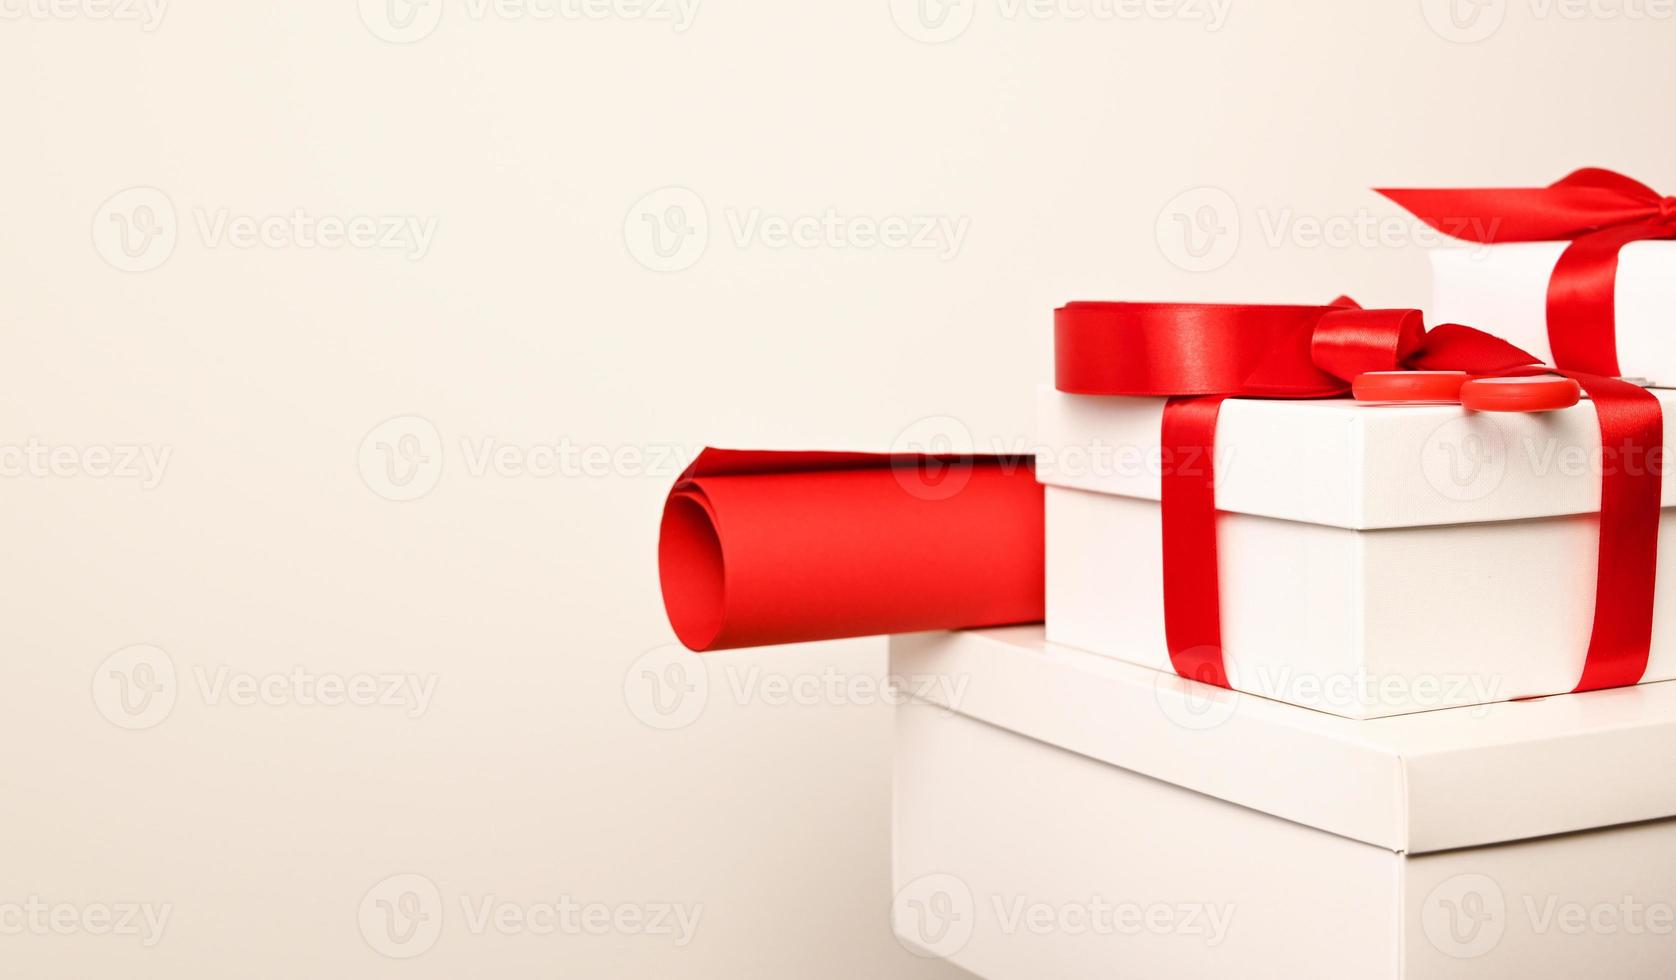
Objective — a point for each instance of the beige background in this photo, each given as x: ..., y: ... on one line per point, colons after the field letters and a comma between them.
x: 1069, y: 150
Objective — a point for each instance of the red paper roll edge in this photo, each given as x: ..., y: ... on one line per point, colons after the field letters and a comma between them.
x: 760, y: 548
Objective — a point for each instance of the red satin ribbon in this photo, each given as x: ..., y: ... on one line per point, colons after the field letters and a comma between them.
x: 1598, y: 211
x: 1631, y: 423
x: 1196, y: 355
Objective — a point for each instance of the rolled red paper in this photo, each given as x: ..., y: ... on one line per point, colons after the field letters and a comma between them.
x: 760, y: 548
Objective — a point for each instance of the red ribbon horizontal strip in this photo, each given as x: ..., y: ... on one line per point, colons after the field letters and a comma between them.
x: 1255, y: 351
x: 1183, y: 348
x: 1198, y: 354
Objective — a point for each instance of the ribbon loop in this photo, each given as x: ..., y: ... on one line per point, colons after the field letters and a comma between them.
x: 1349, y: 343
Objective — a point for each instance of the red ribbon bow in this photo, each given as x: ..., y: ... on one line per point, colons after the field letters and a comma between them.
x: 1197, y: 355
x: 1598, y: 211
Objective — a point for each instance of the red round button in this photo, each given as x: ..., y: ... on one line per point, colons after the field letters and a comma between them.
x: 1410, y: 387
x: 1543, y: 393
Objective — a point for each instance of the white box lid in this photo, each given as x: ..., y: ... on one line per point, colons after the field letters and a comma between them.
x: 1340, y: 463
x: 1462, y: 777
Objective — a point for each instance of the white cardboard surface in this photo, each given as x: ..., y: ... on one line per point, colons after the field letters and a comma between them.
x: 1358, y: 623
x: 987, y: 821
x: 1340, y: 463
x: 1012, y: 857
x: 1504, y: 289
x: 1419, y: 783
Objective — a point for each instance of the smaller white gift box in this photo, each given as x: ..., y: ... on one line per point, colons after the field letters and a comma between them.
x: 1059, y: 814
x: 1504, y: 289
x: 1374, y: 559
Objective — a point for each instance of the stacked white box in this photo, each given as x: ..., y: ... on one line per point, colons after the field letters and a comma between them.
x: 1067, y: 815
x: 1374, y: 559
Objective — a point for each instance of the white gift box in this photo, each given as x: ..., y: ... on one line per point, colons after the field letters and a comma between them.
x: 1374, y: 559
x: 1504, y: 289
x: 1059, y: 814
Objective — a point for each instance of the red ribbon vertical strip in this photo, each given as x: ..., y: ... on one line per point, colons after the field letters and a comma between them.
x: 1583, y: 301
x: 1192, y: 595
x: 1632, y: 455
